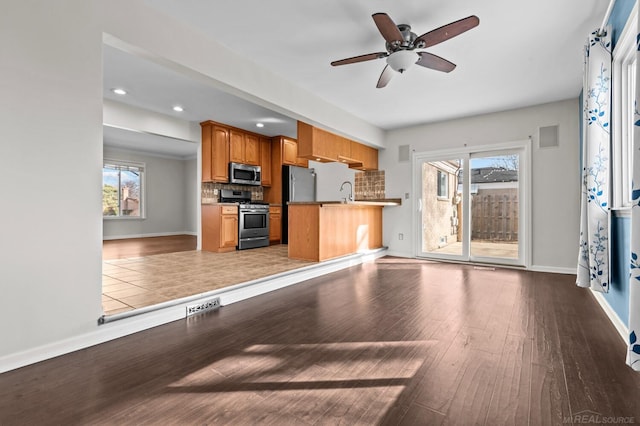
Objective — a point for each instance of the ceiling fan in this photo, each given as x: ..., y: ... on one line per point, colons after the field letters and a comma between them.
x: 401, y: 44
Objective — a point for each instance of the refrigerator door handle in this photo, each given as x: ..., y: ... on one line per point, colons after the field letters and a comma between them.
x: 293, y: 189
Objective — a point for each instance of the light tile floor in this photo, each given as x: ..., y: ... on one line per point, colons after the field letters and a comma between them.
x: 133, y: 283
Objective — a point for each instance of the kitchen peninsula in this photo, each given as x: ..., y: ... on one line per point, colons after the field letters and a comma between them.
x: 325, y: 230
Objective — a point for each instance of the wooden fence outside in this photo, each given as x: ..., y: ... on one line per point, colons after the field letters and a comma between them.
x: 494, y: 215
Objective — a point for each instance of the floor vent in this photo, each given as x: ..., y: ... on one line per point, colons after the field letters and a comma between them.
x: 205, y: 306
x: 484, y: 268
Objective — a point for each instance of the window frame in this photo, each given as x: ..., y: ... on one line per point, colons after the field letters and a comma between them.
x: 624, y: 65
x: 446, y: 184
x: 142, y: 170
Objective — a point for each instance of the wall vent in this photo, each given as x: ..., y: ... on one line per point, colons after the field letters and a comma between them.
x: 548, y: 137
x: 208, y: 305
x: 404, y: 153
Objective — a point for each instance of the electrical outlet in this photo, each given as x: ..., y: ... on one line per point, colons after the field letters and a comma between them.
x: 406, y: 195
x: 401, y: 236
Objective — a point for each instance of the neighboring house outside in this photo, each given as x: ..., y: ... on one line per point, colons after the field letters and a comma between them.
x: 130, y: 205
x: 439, y: 205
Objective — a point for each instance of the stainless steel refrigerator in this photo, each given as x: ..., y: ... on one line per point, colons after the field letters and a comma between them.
x: 298, y: 184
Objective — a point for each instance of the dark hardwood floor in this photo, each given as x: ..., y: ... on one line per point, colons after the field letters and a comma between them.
x: 138, y: 247
x: 392, y: 342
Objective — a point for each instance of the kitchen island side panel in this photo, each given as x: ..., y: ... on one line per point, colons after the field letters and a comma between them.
x: 325, y: 231
x: 304, y: 232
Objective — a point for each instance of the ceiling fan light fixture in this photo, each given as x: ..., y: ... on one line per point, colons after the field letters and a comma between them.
x: 401, y: 60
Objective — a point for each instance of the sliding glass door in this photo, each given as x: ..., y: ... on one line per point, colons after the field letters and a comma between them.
x: 470, y: 205
x: 495, y: 208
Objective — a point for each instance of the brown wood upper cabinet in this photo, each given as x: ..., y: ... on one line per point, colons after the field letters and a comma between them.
x: 265, y: 161
x: 366, y: 155
x: 320, y: 145
x: 244, y: 148
x: 215, y: 152
x: 290, y: 154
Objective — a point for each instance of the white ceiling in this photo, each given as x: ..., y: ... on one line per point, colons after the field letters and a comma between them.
x: 523, y: 53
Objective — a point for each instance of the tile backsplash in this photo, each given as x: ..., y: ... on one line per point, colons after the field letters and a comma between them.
x: 210, y: 191
x: 369, y: 185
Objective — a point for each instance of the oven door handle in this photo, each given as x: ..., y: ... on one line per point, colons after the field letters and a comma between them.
x: 253, y: 211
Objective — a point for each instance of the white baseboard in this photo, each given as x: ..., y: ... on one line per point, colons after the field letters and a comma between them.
x: 553, y: 269
x: 153, y: 234
x: 132, y: 324
x: 399, y: 254
x: 620, y: 326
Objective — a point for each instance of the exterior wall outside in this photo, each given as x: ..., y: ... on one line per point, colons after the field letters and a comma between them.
x: 555, y: 202
x: 437, y: 212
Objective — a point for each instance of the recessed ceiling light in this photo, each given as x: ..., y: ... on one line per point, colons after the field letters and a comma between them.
x: 119, y: 91
x: 259, y: 125
x: 178, y: 108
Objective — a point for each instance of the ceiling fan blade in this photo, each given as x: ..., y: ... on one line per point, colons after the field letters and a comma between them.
x: 385, y: 77
x: 387, y: 28
x: 361, y: 58
x: 435, y: 62
x: 446, y: 32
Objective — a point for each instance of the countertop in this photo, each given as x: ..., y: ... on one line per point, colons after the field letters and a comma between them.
x: 216, y: 203
x: 379, y: 202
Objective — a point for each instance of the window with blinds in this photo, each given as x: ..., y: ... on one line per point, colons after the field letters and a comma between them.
x: 122, y: 188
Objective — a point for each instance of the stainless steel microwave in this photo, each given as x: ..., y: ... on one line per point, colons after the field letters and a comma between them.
x: 244, y: 174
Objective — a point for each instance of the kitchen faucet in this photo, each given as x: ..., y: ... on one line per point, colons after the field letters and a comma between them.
x: 350, y: 190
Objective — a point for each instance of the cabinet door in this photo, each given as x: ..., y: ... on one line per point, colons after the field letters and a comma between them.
x: 209, y: 235
x: 371, y: 158
x: 275, y: 226
x: 220, y: 155
x: 228, y: 230
x: 265, y: 161
x: 207, y: 154
x: 251, y: 150
x: 236, y: 146
x: 289, y: 152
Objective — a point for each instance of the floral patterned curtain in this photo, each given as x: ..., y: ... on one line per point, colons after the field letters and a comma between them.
x: 593, y: 258
x: 633, y: 356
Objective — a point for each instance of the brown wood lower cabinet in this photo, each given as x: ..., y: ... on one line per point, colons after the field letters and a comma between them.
x: 275, y: 224
x: 219, y: 227
x: 320, y: 231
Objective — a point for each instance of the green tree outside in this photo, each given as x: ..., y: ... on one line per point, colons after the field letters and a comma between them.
x: 109, y: 200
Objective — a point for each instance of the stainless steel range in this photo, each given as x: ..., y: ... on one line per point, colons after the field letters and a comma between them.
x: 253, y: 218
